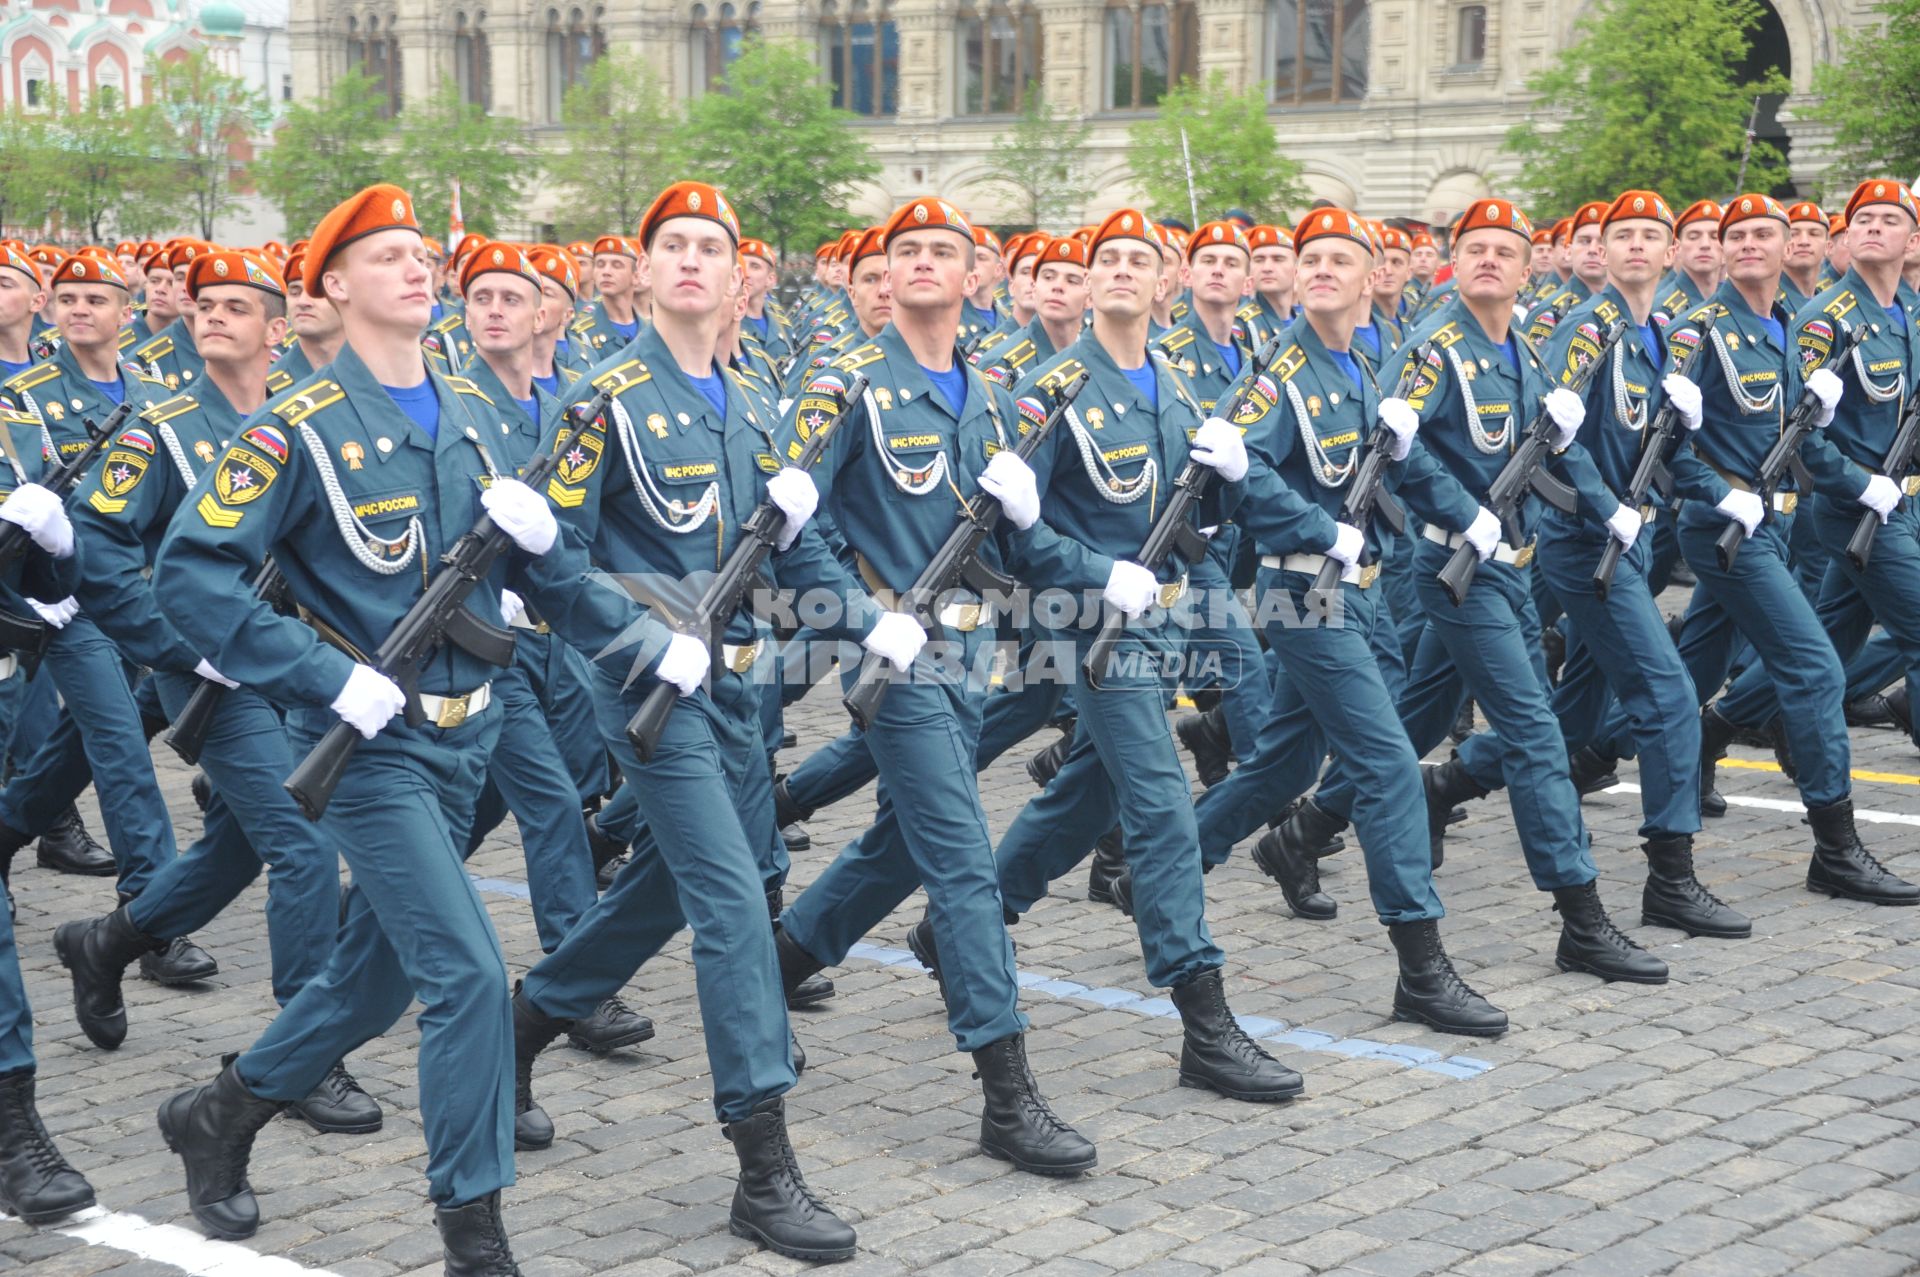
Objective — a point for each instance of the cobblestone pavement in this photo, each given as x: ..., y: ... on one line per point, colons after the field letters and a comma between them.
x: 1756, y: 1116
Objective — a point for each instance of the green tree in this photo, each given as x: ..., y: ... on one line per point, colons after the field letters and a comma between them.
x: 443, y: 138
x: 1649, y: 94
x: 774, y: 142
x: 1039, y: 163
x: 325, y: 150
x: 1871, y: 97
x: 30, y: 171
x: 208, y: 112
x: 117, y: 169
x: 1236, y: 157
x: 620, y: 147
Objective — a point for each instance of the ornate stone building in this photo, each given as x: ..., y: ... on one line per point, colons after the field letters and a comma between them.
x: 1393, y: 106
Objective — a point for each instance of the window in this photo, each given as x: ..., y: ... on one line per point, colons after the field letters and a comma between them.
x: 1470, y: 37
x: 36, y: 95
x: 286, y: 88
x: 1000, y: 56
x: 1319, y: 50
x: 1148, y: 49
x: 715, y: 41
x: 862, y: 51
x: 472, y: 59
x: 374, y: 51
x: 574, y: 43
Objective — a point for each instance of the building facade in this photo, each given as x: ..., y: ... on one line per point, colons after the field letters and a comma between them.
x: 1394, y: 107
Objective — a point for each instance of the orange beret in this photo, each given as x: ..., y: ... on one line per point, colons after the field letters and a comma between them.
x: 1591, y: 213
x: 1218, y: 234
x: 1424, y: 239
x: 825, y: 250
x: 433, y: 246
x: 97, y: 250
x: 614, y: 245
x: 1836, y: 223
x: 1495, y: 214
x: 1331, y: 223
x: 83, y: 269
x: 872, y: 242
x: 993, y: 241
x: 1645, y: 205
x: 496, y: 257
x: 145, y: 249
x: 848, y: 241
x: 125, y: 248
x: 557, y: 264
x: 1394, y: 237
x: 274, y: 248
x: 380, y: 207
x: 1806, y: 211
x: 1125, y: 223
x: 17, y: 260
x: 1882, y: 190
x: 1264, y: 236
x: 230, y: 266
x: 927, y: 213
x: 580, y: 248
x: 689, y: 199
x: 181, y: 256
x: 1747, y: 207
x: 1064, y: 249
x: 471, y: 242
x: 47, y: 254
x: 1562, y: 230
x: 980, y: 237
x: 756, y: 248
x: 1542, y: 235
x: 1084, y: 233
x: 1699, y: 211
x: 295, y: 269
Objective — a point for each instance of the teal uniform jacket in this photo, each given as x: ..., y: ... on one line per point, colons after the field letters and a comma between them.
x: 1191, y: 350
x: 1009, y: 360
x: 1677, y: 295
x: 772, y: 331
x: 1622, y: 397
x: 123, y: 509
x: 1474, y: 409
x: 60, y: 399
x: 759, y: 361
x: 170, y: 355
x: 35, y: 574
x: 1542, y: 316
x: 1437, y: 297
x: 294, y: 363
x: 357, y: 564
x: 1879, y: 378
x: 447, y: 337
x: 824, y: 348
x: 1378, y: 341
x: 596, y: 337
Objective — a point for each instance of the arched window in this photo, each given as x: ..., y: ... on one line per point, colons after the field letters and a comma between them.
x: 1319, y: 50
x: 715, y: 41
x: 1470, y: 36
x: 472, y: 60
x: 36, y: 78
x: 574, y: 43
x: 1150, y: 48
x: 374, y: 50
x: 1000, y: 55
x: 861, y: 48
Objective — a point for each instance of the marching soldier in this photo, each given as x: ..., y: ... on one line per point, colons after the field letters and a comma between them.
x: 22, y: 294
x: 1696, y: 260
x: 556, y: 359
x: 1273, y: 275
x: 1837, y: 255
x: 170, y: 356
x: 1587, y: 264
x: 763, y: 320
x: 869, y: 306
x: 315, y: 323
x: 1057, y: 270
x: 1805, y: 275
x: 611, y: 321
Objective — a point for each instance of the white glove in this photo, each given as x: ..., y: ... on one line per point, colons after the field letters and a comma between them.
x: 1881, y: 496
x: 897, y: 638
x: 1009, y: 480
x: 205, y: 670
x: 684, y: 663
x: 38, y: 511
x: 522, y: 514
x: 1131, y: 588
x: 1483, y: 534
x: 1398, y: 416
x: 1347, y: 543
x: 1568, y: 414
x: 792, y: 489
x: 1826, y: 384
x: 1625, y: 525
x: 369, y: 701
x: 1746, y: 507
x: 512, y: 606
x: 56, y: 614
x: 1218, y: 443
x: 1684, y: 395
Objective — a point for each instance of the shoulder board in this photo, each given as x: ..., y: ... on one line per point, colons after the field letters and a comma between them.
x: 1175, y: 339
x: 127, y: 338
x: 1447, y: 334
x: 1289, y: 363
x: 623, y: 376
x: 860, y: 356
x: 1060, y: 374
x: 747, y: 374
x: 460, y: 385
x: 449, y: 322
x: 154, y: 348
x: 1675, y: 301
x: 570, y: 375
x: 149, y: 378
x: 37, y: 375
x: 307, y: 400
x: 1249, y: 312
x: 581, y: 324
x: 168, y: 409
x: 278, y: 379
x: 1840, y: 304
x: 1607, y: 311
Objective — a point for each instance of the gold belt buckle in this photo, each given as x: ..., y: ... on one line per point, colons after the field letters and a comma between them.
x: 1368, y: 575
x: 744, y: 657
x: 1789, y: 501
x: 1523, y: 556
x: 969, y: 618
x: 453, y: 711
x: 1170, y: 592
x: 1911, y: 485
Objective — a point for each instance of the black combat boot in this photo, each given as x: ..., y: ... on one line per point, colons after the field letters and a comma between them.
x: 474, y: 1238
x: 1868, y: 711
x: 1899, y: 709
x: 1205, y: 736
x: 1591, y: 771
x: 1716, y: 733
x: 816, y: 988
x: 608, y: 853
x: 1016, y: 1125
x: 98, y: 952
x: 1675, y: 898
x: 796, y: 838
x: 36, y: 1183
x: 790, y: 817
x: 1287, y: 855
x: 772, y: 1204
x: 1842, y: 866
x: 177, y: 961
x: 1431, y: 992
x: 1554, y: 646
x: 1332, y: 822
x: 212, y: 1127
x: 1590, y: 942
x: 1045, y: 765
x: 11, y: 841
x: 1216, y: 1053
x: 68, y: 848
x: 1445, y: 785
x: 920, y: 944
x: 1108, y: 867
x: 339, y: 1106
x: 533, y: 1029
x: 1462, y: 723
x: 612, y: 1025
x: 202, y: 790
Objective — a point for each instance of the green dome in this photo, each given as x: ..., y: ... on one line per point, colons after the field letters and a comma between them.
x: 219, y: 18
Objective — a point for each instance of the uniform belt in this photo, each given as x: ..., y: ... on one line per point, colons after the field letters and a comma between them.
x: 9, y: 666
x: 962, y: 618
x: 739, y: 657
x: 451, y: 711
x: 1783, y: 502
x: 1502, y: 553
x: 1311, y: 564
x: 1171, y: 591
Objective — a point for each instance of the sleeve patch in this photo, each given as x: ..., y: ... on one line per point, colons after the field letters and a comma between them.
x: 268, y: 439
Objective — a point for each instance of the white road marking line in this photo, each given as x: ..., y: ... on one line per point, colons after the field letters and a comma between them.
x: 1781, y: 804
x: 178, y: 1247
